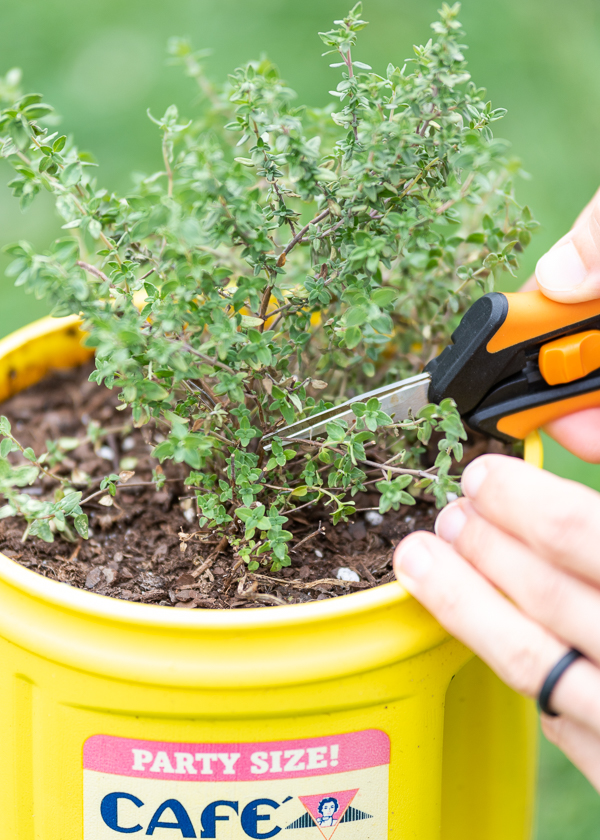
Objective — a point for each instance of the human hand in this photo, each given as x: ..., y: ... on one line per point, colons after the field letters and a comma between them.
x: 514, y: 573
x: 570, y: 272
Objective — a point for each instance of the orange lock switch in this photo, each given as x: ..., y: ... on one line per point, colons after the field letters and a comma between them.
x: 570, y: 357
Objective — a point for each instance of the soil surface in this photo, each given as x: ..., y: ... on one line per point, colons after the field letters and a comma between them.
x: 147, y: 547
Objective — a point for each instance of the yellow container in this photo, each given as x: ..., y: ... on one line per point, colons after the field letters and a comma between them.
x: 357, y: 716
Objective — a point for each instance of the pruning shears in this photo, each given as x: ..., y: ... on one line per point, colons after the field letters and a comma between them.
x: 516, y: 362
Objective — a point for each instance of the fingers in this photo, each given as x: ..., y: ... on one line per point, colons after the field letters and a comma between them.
x: 556, y: 518
x: 578, y: 743
x: 579, y: 433
x: 570, y: 271
x: 515, y: 646
x: 470, y: 608
x: 563, y: 604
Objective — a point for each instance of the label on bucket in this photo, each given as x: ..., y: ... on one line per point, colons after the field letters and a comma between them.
x: 314, y: 787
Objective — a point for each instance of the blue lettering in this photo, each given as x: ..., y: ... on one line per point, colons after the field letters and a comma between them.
x: 184, y: 824
x: 209, y: 817
x: 109, y: 811
x: 251, y: 818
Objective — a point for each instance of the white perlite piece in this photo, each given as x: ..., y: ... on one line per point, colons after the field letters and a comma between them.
x: 347, y: 574
x: 451, y: 497
x: 106, y: 452
x: 372, y: 517
x: 319, y: 553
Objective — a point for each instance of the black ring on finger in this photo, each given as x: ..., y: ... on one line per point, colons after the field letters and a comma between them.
x: 553, y: 677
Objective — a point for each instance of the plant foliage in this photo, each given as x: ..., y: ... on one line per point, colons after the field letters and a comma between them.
x: 283, y: 259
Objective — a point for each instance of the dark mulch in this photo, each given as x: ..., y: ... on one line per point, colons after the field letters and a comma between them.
x: 147, y: 547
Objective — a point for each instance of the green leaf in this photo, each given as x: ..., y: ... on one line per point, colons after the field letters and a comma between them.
x: 81, y: 525
x: 354, y: 317
x: 384, y: 297
x: 299, y: 491
x: 327, y: 175
x: 479, y: 238
x: 251, y: 321
x: 94, y: 228
x: 352, y: 337
x: 152, y: 390
x: 35, y: 112
x: 335, y: 432
x: 68, y: 443
x: 41, y: 528
x: 164, y: 450
x: 70, y: 502
x: 393, y: 494
x: 6, y: 446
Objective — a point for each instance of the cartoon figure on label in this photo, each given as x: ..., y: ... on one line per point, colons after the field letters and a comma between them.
x: 327, y: 808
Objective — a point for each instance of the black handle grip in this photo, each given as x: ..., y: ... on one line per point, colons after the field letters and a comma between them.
x: 514, y: 326
x: 465, y: 370
x: 520, y: 405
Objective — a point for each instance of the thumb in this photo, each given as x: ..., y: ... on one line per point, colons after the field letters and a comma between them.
x: 570, y: 271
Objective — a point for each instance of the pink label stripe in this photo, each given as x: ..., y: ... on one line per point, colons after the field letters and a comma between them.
x: 237, y: 762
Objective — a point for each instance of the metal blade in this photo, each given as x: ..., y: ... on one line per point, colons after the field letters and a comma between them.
x: 397, y: 400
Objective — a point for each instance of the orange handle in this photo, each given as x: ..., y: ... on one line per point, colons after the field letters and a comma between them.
x: 518, y: 361
x: 564, y: 360
x: 521, y: 423
x: 531, y: 316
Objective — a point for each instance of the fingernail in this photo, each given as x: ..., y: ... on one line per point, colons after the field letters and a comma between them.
x: 413, y: 560
x: 473, y: 478
x: 450, y: 523
x: 561, y: 269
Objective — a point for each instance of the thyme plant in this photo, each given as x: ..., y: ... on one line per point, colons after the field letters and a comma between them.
x: 283, y: 259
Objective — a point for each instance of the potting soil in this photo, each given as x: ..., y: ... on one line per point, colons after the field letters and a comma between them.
x: 148, y: 547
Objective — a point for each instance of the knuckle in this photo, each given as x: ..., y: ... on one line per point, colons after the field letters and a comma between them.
x: 474, y: 540
x: 565, y: 525
x: 552, y: 728
x: 552, y: 596
x: 521, y: 669
x: 581, y: 686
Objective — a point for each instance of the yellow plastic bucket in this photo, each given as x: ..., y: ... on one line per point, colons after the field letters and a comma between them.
x: 357, y: 717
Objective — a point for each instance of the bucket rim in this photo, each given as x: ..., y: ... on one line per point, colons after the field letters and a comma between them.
x: 116, y: 610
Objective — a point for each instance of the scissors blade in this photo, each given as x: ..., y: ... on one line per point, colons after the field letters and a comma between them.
x: 398, y: 400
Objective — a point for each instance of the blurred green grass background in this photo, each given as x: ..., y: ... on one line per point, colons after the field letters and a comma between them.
x: 102, y: 63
